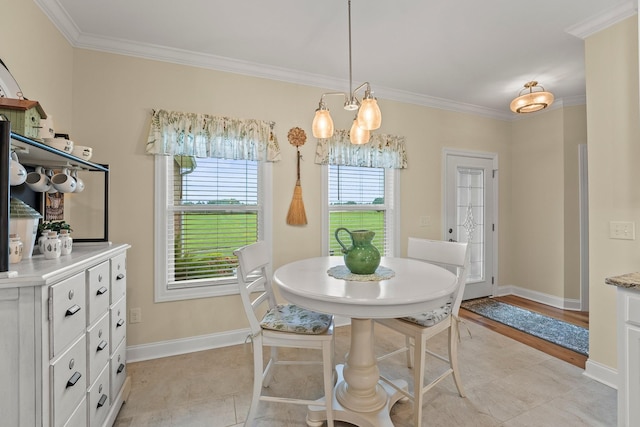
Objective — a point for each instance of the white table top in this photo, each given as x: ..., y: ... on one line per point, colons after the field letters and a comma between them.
x: 416, y: 287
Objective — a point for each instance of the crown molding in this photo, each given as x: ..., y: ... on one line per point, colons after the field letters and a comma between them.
x: 604, y: 20
x: 58, y: 16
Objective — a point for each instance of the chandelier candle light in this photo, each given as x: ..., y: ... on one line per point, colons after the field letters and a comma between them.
x: 368, y: 117
x: 535, y: 100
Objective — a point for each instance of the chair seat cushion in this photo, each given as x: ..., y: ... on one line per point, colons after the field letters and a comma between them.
x: 432, y: 317
x: 291, y: 318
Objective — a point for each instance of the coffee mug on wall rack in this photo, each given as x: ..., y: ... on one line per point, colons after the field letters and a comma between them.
x: 17, y: 172
x: 64, y: 182
x: 50, y: 174
x: 38, y: 180
x: 79, y: 182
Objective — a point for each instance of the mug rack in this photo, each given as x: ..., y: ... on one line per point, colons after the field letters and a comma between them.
x: 34, y: 153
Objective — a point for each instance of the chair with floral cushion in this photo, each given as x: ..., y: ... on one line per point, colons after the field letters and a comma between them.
x: 419, y: 328
x: 283, y: 325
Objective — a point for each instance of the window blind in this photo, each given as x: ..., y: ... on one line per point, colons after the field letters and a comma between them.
x: 357, y: 201
x: 215, y: 209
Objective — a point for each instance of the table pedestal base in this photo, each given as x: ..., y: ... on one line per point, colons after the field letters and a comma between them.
x: 316, y: 415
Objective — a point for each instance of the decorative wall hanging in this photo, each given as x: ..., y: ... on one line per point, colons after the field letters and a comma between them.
x: 297, y: 215
x: 8, y: 85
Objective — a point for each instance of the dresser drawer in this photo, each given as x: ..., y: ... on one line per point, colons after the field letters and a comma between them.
x: 118, y: 277
x: 67, y: 306
x: 98, y: 292
x: 118, y: 369
x: 68, y: 381
x: 79, y: 416
x: 98, y: 347
x: 99, y: 399
x: 118, y: 322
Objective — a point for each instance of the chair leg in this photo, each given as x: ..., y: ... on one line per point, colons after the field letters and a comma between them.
x: 271, y: 365
x: 258, y: 367
x: 418, y: 378
x: 327, y: 368
x: 409, y: 351
x: 453, y: 354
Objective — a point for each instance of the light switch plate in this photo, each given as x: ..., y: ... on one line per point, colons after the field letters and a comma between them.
x: 622, y: 230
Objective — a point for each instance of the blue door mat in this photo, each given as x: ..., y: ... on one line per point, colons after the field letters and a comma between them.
x: 575, y: 338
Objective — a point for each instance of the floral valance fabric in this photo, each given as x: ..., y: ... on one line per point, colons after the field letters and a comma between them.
x: 203, y: 135
x: 382, y: 151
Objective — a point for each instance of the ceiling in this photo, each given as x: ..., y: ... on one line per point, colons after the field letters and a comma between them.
x: 462, y: 55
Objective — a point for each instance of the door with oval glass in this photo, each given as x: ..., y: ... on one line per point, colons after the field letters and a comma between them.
x: 470, y: 202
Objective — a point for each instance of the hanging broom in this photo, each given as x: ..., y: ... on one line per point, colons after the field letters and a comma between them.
x: 297, y: 215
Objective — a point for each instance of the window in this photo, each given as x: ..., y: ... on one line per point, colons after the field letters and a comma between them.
x: 361, y: 198
x: 206, y: 208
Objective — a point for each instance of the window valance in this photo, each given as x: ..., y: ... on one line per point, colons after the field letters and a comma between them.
x: 203, y: 135
x: 382, y: 151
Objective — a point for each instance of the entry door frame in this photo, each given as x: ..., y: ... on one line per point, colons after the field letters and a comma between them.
x: 583, y: 166
x: 446, y: 152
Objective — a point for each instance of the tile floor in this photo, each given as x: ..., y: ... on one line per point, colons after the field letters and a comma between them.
x: 507, y: 384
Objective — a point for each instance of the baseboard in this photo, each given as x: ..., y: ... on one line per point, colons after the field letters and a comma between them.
x: 553, y: 301
x: 601, y: 373
x: 137, y: 353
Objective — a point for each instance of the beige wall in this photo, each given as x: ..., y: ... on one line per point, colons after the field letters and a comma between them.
x: 38, y: 57
x: 545, y: 208
x: 537, y: 192
x: 614, y: 151
x: 104, y: 101
x: 117, y: 94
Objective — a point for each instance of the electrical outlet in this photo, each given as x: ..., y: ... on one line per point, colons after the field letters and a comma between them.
x: 425, y: 221
x: 622, y: 230
x: 135, y: 315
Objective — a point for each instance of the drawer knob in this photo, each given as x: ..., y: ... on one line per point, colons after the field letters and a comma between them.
x: 102, y: 290
x: 74, y: 379
x: 103, y: 399
x: 102, y: 345
x: 120, y: 323
x: 72, y: 310
x: 71, y: 294
x: 120, y: 368
x: 120, y: 276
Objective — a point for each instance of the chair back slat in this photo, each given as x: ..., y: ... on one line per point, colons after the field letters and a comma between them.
x: 445, y: 254
x: 253, y: 275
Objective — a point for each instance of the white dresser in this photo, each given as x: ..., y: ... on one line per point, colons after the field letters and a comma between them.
x: 628, y: 325
x: 63, y: 338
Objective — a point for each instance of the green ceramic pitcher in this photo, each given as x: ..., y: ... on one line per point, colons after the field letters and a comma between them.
x: 362, y: 257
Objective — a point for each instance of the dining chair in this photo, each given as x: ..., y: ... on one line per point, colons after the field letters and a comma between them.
x: 281, y: 325
x: 420, y: 328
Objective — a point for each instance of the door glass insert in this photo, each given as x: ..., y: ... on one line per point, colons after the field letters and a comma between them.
x: 470, y: 215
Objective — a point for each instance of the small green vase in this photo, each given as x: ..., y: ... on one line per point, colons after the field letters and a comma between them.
x: 362, y: 257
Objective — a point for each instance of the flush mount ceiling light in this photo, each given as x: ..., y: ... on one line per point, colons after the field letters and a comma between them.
x: 368, y: 117
x: 535, y: 99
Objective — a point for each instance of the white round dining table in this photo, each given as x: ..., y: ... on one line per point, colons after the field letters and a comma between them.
x: 360, y: 397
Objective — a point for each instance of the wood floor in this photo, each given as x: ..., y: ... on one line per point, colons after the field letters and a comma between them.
x: 579, y: 318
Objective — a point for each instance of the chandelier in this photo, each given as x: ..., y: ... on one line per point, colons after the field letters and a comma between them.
x: 534, y: 100
x: 368, y: 117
